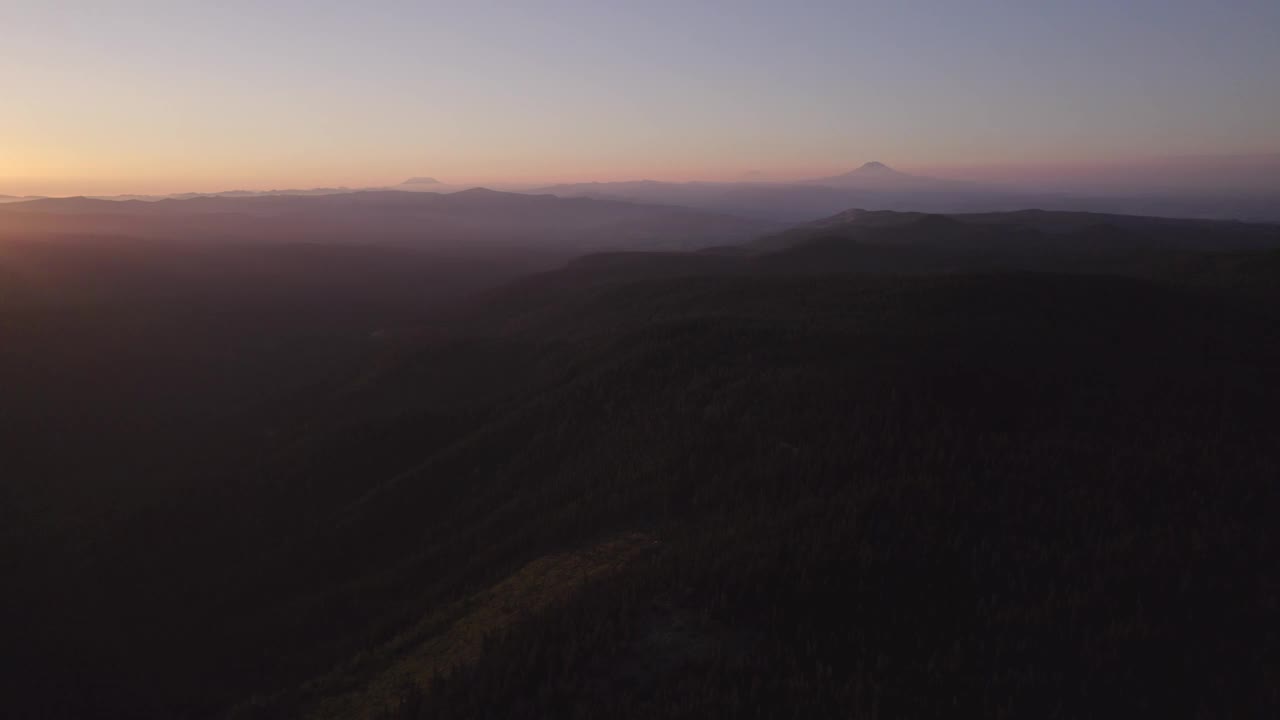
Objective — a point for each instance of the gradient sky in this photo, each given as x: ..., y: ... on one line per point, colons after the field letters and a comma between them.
x: 114, y: 96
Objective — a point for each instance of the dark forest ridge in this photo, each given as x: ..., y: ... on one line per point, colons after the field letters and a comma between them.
x: 1125, y: 231
x: 345, y: 474
x: 878, y: 242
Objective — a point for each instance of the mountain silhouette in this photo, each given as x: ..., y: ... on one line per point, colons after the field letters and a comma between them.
x: 876, y: 175
x: 466, y: 220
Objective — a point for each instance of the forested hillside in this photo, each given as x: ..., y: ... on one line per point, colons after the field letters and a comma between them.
x: 983, y: 480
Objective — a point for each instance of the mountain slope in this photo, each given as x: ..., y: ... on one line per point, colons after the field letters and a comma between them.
x: 697, y: 485
x: 855, y: 480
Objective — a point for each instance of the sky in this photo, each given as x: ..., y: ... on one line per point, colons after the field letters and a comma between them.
x: 127, y: 96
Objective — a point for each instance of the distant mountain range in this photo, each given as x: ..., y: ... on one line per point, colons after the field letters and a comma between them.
x: 872, y: 185
x: 876, y: 185
x: 475, y: 218
x: 413, y: 184
x: 878, y: 176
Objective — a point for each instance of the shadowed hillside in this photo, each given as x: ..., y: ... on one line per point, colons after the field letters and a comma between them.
x: 1011, y: 465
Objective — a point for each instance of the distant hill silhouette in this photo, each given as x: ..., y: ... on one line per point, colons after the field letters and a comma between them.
x: 467, y: 219
x: 874, y: 185
x: 879, y: 187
